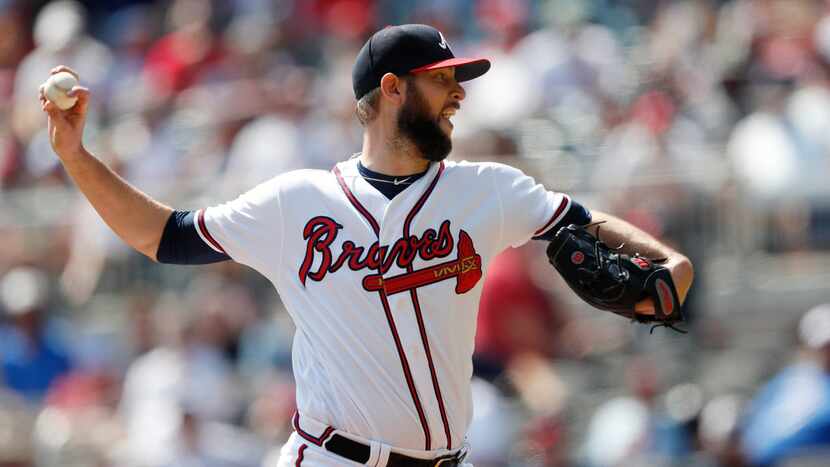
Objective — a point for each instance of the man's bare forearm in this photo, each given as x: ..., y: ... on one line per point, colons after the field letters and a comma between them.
x: 615, y: 231
x: 135, y: 217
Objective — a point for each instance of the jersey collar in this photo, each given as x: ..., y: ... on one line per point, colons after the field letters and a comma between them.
x: 348, y: 177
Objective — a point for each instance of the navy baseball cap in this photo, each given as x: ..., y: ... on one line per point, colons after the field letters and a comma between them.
x: 409, y: 48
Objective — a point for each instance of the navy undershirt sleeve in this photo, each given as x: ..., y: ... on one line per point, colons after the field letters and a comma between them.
x: 181, y: 244
x: 577, y: 214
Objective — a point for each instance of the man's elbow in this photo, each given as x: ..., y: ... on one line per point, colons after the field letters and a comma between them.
x: 683, y: 274
x: 148, y: 249
x: 685, y: 264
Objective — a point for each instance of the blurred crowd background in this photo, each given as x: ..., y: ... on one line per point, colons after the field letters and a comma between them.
x: 705, y: 122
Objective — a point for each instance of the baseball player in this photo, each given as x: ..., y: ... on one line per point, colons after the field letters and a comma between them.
x: 379, y: 261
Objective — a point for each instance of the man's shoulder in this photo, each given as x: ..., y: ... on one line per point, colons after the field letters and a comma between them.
x: 480, y: 168
x: 293, y: 184
x: 306, y: 176
x: 301, y: 179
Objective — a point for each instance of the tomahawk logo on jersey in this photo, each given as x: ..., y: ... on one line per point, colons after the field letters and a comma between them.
x: 384, y: 293
x: 322, y: 231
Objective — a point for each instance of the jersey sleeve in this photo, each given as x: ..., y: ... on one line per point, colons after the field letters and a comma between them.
x: 248, y: 229
x: 181, y: 244
x: 528, y: 209
x: 576, y: 214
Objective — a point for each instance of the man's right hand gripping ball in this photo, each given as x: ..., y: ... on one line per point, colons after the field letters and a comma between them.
x: 66, y: 127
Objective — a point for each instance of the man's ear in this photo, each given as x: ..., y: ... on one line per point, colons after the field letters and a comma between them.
x: 393, y: 88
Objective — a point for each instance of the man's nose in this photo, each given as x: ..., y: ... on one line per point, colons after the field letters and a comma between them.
x: 459, y: 93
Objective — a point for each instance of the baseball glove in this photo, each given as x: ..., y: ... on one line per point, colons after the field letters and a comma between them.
x: 612, y: 281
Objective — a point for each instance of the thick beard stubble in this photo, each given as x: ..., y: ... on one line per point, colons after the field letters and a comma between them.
x: 416, y: 124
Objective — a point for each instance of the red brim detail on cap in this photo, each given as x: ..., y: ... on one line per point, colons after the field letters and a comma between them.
x: 465, y: 68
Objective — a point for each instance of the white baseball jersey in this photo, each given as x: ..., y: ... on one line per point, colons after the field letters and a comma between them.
x: 384, y: 293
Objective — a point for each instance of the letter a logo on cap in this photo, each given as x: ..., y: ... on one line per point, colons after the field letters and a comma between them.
x: 443, y: 43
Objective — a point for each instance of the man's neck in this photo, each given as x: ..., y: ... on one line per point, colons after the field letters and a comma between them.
x: 391, y: 157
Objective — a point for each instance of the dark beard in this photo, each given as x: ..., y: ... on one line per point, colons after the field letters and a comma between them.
x: 417, y: 125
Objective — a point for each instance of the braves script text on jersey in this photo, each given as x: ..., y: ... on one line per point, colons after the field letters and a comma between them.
x: 384, y: 293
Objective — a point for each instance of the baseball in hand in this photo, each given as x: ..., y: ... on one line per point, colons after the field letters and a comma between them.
x: 56, y: 88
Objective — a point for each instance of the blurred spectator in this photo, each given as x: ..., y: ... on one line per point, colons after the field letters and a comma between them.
x: 516, y: 317
x: 544, y: 442
x: 17, y: 421
x: 178, y: 59
x: 544, y: 394
x: 264, y: 148
x: 74, y: 437
x: 717, y: 433
x: 789, y: 419
x: 201, y: 443
x: 33, y: 350
x: 265, y: 346
x: 15, y: 42
x: 60, y: 36
x: 496, y: 424
x: 187, y: 375
x: 769, y: 156
x: 129, y: 32
x: 635, y: 430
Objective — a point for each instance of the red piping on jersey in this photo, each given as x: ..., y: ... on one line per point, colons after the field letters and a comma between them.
x: 200, y: 220
x: 300, y: 455
x: 419, y: 315
x: 435, y: 386
x: 422, y: 200
x: 356, y: 203
x: 554, y: 217
x: 389, y: 318
x: 307, y: 436
x: 406, y: 371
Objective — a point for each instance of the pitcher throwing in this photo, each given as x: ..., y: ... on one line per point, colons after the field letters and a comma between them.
x: 378, y: 261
